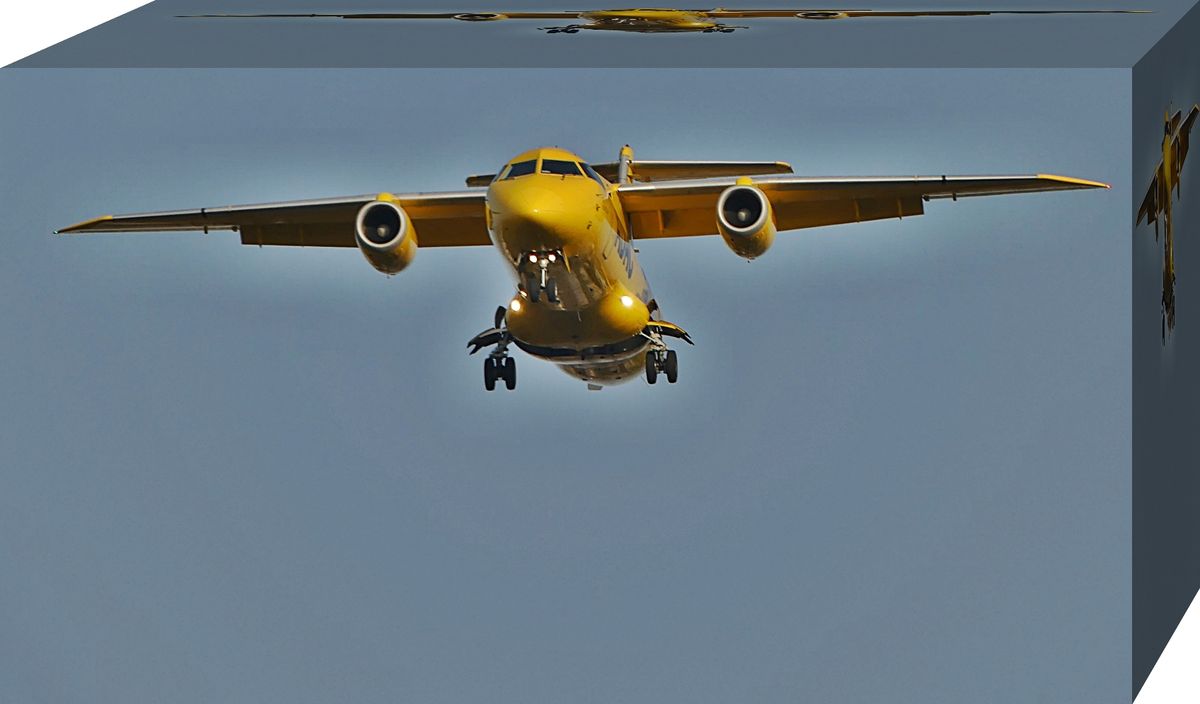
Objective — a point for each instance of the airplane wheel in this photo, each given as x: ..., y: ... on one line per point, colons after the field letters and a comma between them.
x: 651, y: 368
x: 672, y: 367
x: 551, y: 290
x: 726, y: 31
x: 510, y: 373
x: 571, y: 30
x: 489, y: 374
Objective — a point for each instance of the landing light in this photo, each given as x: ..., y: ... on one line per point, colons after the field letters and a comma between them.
x: 552, y: 257
x: 533, y: 258
x: 627, y: 301
x: 515, y: 305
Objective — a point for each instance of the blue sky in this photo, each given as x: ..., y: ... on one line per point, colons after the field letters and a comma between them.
x: 895, y: 466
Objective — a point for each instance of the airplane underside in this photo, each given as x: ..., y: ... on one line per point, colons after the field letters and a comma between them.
x: 599, y: 365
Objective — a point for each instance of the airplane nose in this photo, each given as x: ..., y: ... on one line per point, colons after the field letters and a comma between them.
x: 535, y: 218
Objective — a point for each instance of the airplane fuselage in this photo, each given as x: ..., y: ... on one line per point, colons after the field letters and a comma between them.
x: 583, y: 300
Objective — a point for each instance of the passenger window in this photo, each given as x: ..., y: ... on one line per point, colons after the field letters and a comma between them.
x: 520, y: 168
x: 560, y: 168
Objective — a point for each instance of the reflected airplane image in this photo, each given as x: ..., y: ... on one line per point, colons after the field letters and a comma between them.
x: 1157, y: 204
x: 567, y: 230
x: 658, y: 20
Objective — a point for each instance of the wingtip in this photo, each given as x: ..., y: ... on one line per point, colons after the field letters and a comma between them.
x: 80, y: 226
x: 1079, y: 182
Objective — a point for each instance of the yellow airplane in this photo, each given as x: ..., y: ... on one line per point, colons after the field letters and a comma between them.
x: 1157, y: 203
x: 658, y: 20
x: 568, y: 230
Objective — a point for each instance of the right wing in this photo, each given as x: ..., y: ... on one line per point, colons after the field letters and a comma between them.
x: 837, y: 14
x: 440, y: 220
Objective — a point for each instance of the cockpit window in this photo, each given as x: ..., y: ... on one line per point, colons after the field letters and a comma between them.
x: 560, y: 168
x: 520, y: 168
x: 587, y: 169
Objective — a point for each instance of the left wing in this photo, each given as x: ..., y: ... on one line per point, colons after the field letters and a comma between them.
x: 466, y: 16
x: 686, y: 208
x: 440, y: 220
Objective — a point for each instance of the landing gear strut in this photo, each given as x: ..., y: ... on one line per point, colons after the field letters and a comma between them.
x: 498, y: 364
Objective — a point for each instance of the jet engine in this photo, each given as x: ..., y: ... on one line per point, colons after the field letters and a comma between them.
x: 480, y: 16
x: 386, y: 236
x: 821, y: 15
x: 745, y: 220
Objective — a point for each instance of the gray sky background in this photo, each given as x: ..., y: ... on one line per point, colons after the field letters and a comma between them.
x: 895, y: 468
x: 153, y: 36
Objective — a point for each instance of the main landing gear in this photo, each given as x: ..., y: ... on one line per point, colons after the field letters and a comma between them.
x: 659, y: 359
x: 498, y: 365
x: 662, y: 362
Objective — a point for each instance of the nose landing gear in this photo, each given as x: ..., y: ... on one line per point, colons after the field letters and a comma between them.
x: 538, y: 280
x: 498, y: 365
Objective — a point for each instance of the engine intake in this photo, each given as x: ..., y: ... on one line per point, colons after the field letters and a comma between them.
x: 745, y: 220
x: 385, y: 235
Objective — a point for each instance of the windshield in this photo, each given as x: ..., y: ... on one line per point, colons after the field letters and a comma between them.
x: 520, y: 168
x: 560, y: 168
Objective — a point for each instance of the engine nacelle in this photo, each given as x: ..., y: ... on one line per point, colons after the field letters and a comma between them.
x: 745, y: 220
x: 386, y: 236
x: 480, y: 16
x: 821, y: 15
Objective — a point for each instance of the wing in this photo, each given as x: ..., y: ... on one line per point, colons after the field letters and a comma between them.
x: 1149, y: 210
x: 465, y: 16
x: 683, y: 209
x: 837, y: 14
x: 1183, y: 137
x: 440, y: 219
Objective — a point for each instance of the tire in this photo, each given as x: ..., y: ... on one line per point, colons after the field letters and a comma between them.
x: 651, y: 368
x: 551, y: 291
x: 510, y: 373
x: 672, y: 367
x: 489, y: 374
